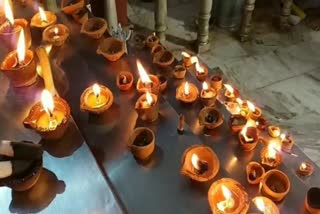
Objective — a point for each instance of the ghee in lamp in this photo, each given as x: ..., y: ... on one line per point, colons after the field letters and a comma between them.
x: 96, y: 99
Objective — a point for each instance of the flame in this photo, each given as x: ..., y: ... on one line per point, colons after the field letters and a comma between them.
x: 186, y: 88
x: 55, y: 31
x: 48, y: 48
x: 272, y: 150
x: 260, y: 204
x: 43, y: 15
x: 250, y: 123
x: 21, y: 47
x: 303, y: 166
x: 251, y: 106
x: 282, y: 137
x: 229, y: 88
x: 185, y: 54
x: 47, y: 102
x: 239, y: 101
x: 149, y: 98
x: 96, y: 89
x: 143, y: 74
x: 195, y: 161
x: 205, y: 86
x: 194, y: 59
x: 228, y: 202
x: 199, y: 68
x: 8, y: 12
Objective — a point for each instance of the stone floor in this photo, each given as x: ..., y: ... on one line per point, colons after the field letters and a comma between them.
x: 280, y: 72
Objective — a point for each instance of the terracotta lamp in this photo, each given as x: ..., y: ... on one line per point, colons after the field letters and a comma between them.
x: 179, y: 71
x: 199, y: 163
x: 305, y: 169
x: 73, y: 7
x: 265, y: 205
x: 187, y: 92
x: 147, y: 82
x: 163, y: 58
x: 262, y: 123
x: 248, y: 137
x: 111, y: 48
x: 237, y: 122
x: 157, y: 49
x: 43, y: 19
x: 139, y: 41
x: 270, y: 156
x: 228, y: 196
x: 286, y: 142
x: 254, y: 112
x: 152, y: 40
x: 216, y: 82
x: 124, y: 80
x: 56, y: 34
x: 142, y: 143
x: 50, y: 117
x: 163, y: 83
x: 147, y: 107
x: 210, y: 117
x: 201, y: 71
x: 81, y: 16
x: 275, y: 185
x: 208, y: 95
x: 94, y: 27
x: 255, y: 172
x: 274, y: 131
x: 187, y: 59
x: 231, y: 93
x: 312, y: 203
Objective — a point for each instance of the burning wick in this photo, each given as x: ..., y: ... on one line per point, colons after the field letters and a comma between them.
x: 186, y: 89
x: 205, y: 86
x: 43, y: 16
x: 149, y: 98
x: 123, y: 79
x: 230, y: 90
x: 228, y: 202
x: 261, y: 205
x: 145, y: 79
x: 48, y: 105
x: 8, y: 13
x: 272, y: 152
x: 96, y: 91
x: 21, y: 48
x: 199, y: 166
x: 185, y: 54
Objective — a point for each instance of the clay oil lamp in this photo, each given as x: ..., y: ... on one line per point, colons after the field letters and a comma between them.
x: 230, y: 93
x: 147, y: 107
x: 210, y: 118
x: 305, y: 169
x: 208, y: 95
x: 265, y: 205
x: 56, y: 34
x: 248, y: 137
x: 112, y: 49
x: 179, y: 71
x: 274, y: 131
x: 163, y: 83
x: 228, y: 196
x: 19, y: 65
x: 142, y: 143
x: 216, y: 82
x: 312, y: 203
x: 157, y: 49
x: 233, y: 107
x: 152, y: 40
x: 187, y: 59
x: 139, y: 41
x: 147, y: 82
x: 254, y: 112
x: 43, y: 19
x: 254, y: 172
x: 286, y: 142
x: 201, y: 71
x: 187, y: 92
x: 163, y: 58
x: 270, y: 156
x: 96, y: 99
x: 244, y: 109
x: 81, y: 16
x: 262, y: 123
x: 199, y: 163
x: 237, y: 122
x: 73, y: 7
x: 50, y: 117
x: 124, y: 80
x: 94, y: 27
x: 275, y: 185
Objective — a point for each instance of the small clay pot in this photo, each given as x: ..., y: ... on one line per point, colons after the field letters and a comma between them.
x: 267, y: 162
x: 179, y: 71
x: 202, y: 76
x: 124, y: 80
x: 157, y: 49
x: 153, y: 88
x: 312, y: 203
x: 187, y: 59
x: 275, y: 185
x: 48, y: 34
x: 256, y: 114
x: 210, y: 117
x: 237, y: 122
x: 163, y: 83
x: 94, y: 27
x: 193, y: 95
x: 71, y: 8
x: 111, y: 48
x: 232, y: 98
x: 142, y: 143
x: 287, y: 143
x: 252, y: 133
x: 139, y: 41
x: 208, y: 100
x: 80, y: 16
x: 163, y: 58
x: 307, y: 170
x: 274, y: 131
x: 148, y: 113
x: 208, y: 163
x: 255, y: 172
x: 216, y: 82
x: 152, y: 40
x: 262, y: 123
x: 40, y: 25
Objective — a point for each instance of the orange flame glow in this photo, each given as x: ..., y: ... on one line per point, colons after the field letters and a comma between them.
x: 185, y: 54
x: 8, y: 12
x: 47, y: 102
x: 143, y: 74
x: 43, y: 15
x: 96, y: 89
x: 21, y: 47
x: 251, y: 106
x: 149, y: 98
x: 205, y: 86
x: 229, y: 88
x: 186, y: 88
x: 195, y: 161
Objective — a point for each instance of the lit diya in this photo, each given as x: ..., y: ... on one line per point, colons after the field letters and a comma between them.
x: 231, y: 93
x: 147, y: 107
x: 19, y: 65
x: 112, y: 49
x: 270, y: 156
x: 43, y: 19
x: 216, y: 82
x: 210, y: 117
x: 200, y: 163
x: 179, y: 72
x: 201, y: 71
x: 56, y: 34
x: 187, y: 59
x: 152, y: 40
x: 274, y: 131
x: 275, y: 185
x: 208, y: 95
x: 94, y: 27
x: 147, y: 82
x: 237, y: 122
x: 228, y: 196
x: 187, y: 92
x: 265, y: 205
x: 50, y: 117
x: 163, y: 58
x: 305, y: 169
x: 142, y: 143
x: 124, y: 80
x: 233, y: 107
x: 312, y: 203
x: 96, y: 99
x: 71, y: 8
x: 248, y: 137
x: 286, y: 142
x: 255, y: 172
x: 254, y: 112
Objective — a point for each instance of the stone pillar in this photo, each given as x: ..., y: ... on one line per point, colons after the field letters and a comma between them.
x: 246, y: 20
x: 51, y: 5
x: 111, y: 13
x: 160, y: 16
x: 285, y: 13
x: 203, y: 26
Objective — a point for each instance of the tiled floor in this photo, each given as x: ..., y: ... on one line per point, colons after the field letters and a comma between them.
x: 279, y: 71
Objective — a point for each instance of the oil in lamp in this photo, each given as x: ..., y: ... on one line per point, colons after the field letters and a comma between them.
x: 179, y: 71
x: 270, y: 155
x: 141, y: 143
x: 237, y: 122
x: 187, y: 92
x: 275, y: 185
x: 265, y: 205
x: 152, y: 40
x: 210, y: 118
x: 305, y: 169
x: 112, y: 49
x: 286, y: 142
x: 147, y: 107
x: 94, y: 27
x: 50, y: 117
x: 228, y: 196
x: 180, y: 128
x: 216, y: 82
x: 187, y: 59
x: 96, y: 99
x: 147, y: 82
x: 208, y: 95
x: 312, y: 203
x: 274, y: 131
x: 231, y: 93
x: 200, y: 163
x: 254, y: 112
x: 56, y: 34
x: 201, y: 71
x: 255, y: 172
x: 163, y: 58
x: 124, y: 80
x: 43, y: 19
x: 19, y: 65
x: 248, y: 137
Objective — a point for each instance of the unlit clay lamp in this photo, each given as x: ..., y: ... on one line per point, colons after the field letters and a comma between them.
x: 200, y: 163
x: 139, y: 41
x: 70, y: 8
x: 19, y: 65
x: 50, y: 117
x: 254, y: 112
x: 187, y: 59
x: 43, y: 19
x: 81, y: 16
x: 152, y: 40
x: 216, y: 82
x: 208, y: 95
x: 163, y: 58
x: 156, y: 49
x: 163, y: 83
x: 142, y: 143
x: 274, y: 131
x: 265, y: 205
x: 210, y: 117
x: 111, y: 48
x: 201, y: 71
x: 305, y: 169
x: 312, y: 202
x: 255, y: 172
x: 228, y: 196
x: 96, y: 99
x: 179, y: 72
x: 262, y: 123
x: 56, y: 34
x: 275, y: 185
x: 270, y: 156
x: 187, y: 92
x: 147, y: 82
x: 286, y: 142
x: 231, y: 93
x: 124, y: 80
x: 248, y: 138
x: 237, y: 122
x: 94, y: 27
x: 147, y: 107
